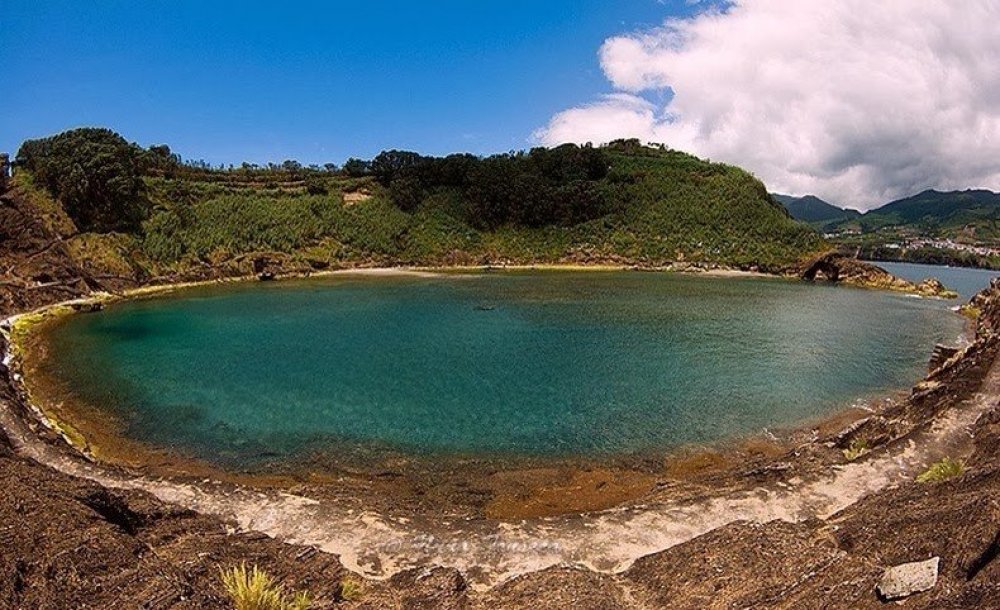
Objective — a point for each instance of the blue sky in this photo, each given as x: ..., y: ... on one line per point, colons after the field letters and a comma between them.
x: 317, y: 82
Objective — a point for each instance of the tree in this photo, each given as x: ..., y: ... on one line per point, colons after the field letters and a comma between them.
x: 94, y: 173
x: 452, y: 170
x: 315, y: 185
x: 570, y: 162
x: 543, y: 187
x: 490, y: 192
x: 575, y: 202
x: 406, y: 193
x: 357, y: 168
x: 390, y: 163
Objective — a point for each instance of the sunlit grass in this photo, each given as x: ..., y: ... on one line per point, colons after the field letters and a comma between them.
x: 941, y: 471
x: 254, y: 589
x: 350, y: 589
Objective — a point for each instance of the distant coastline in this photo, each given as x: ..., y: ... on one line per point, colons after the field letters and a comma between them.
x: 938, y: 258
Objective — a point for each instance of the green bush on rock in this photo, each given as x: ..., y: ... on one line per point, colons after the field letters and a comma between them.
x: 942, y: 470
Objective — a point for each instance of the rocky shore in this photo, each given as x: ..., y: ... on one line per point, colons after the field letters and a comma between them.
x: 68, y: 542
x: 837, y: 267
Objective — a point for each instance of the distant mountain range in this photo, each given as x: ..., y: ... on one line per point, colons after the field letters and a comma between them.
x: 928, y: 212
x: 814, y: 210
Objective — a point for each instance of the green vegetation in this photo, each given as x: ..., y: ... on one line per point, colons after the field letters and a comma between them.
x: 815, y: 211
x: 558, y: 186
x: 94, y: 173
x: 970, y: 311
x: 940, y: 213
x: 875, y: 246
x: 942, y: 470
x: 350, y: 590
x: 623, y: 203
x: 957, y: 228
x: 857, y: 448
x: 254, y: 589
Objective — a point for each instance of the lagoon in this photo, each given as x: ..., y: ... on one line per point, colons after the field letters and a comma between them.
x: 514, y: 363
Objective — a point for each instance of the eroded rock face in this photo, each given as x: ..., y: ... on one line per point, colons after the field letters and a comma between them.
x: 836, y: 267
x: 35, y: 265
x: 906, y: 579
x: 941, y: 355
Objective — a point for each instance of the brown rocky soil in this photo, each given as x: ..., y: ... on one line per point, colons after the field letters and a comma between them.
x: 69, y: 543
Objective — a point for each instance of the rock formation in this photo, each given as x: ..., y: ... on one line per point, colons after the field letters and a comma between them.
x: 836, y: 267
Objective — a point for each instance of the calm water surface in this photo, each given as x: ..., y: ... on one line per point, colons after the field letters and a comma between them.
x: 534, y: 363
x: 966, y: 282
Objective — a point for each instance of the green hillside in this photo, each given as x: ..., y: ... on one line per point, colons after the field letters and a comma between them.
x: 814, y: 210
x: 623, y: 203
x: 935, y: 211
x: 958, y: 228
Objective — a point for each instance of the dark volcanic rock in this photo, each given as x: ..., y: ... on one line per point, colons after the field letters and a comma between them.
x: 35, y: 266
x: 941, y: 354
x: 744, y: 565
x: 66, y: 543
x: 986, y: 437
x: 560, y: 588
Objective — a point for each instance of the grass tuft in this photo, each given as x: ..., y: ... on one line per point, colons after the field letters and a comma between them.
x: 254, y: 589
x: 856, y: 449
x: 941, y: 471
x: 350, y: 589
x: 970, y: 311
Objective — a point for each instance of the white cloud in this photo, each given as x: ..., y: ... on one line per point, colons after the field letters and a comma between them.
x: 856, y: 101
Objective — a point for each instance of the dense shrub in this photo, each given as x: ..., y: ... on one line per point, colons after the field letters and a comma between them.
x: 406, y: 192
x: 624, y: 201
x: 315, y: 186
x: 237, y: 223
x: 544, y: 186
x: 94, y: 173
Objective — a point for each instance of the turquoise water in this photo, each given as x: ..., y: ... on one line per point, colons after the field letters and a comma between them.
x: 555, y: 363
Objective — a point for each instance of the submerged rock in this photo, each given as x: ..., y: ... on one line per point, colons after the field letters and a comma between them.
x: 932, y: 285
x: 88, y: 306
x: 908, y: 578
